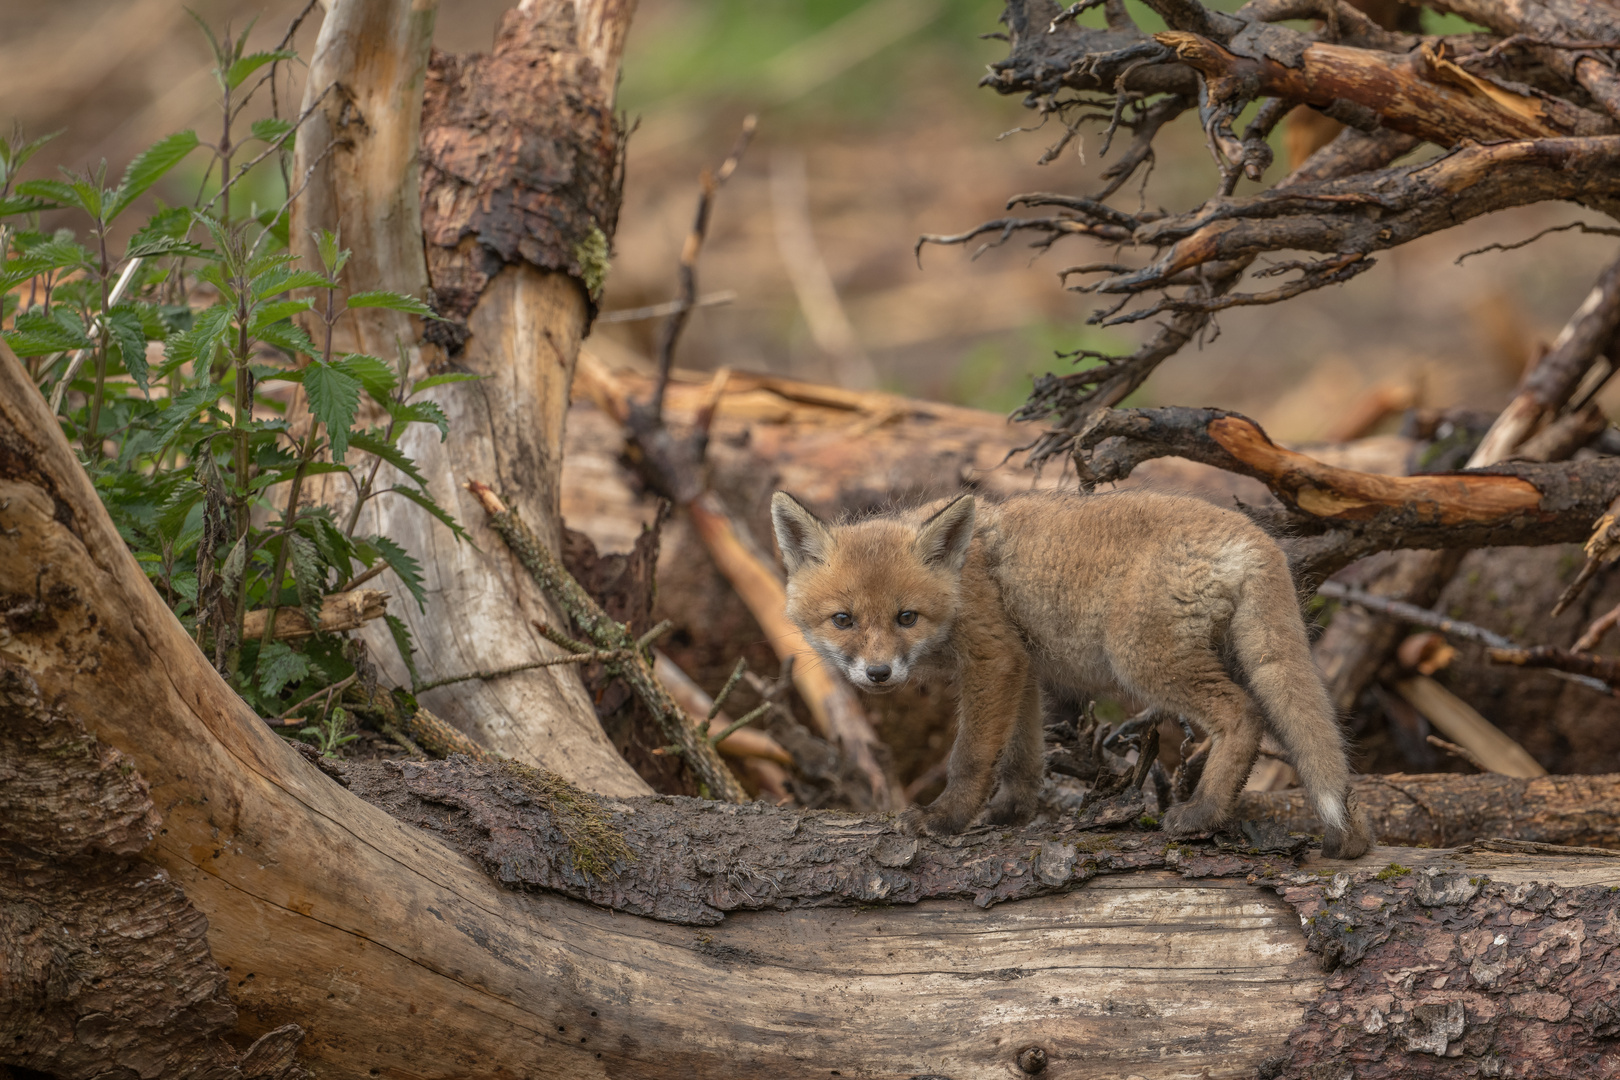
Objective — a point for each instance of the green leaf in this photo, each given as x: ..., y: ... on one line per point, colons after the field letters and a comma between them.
x: 377, y: 377
x: 442, y: 380
x: 171, y: 516
x: 335, y: 548
x: 272, y: 128
x: 148, y: 168
x: 289, y: 338
x: 55, y: 191
x: 392, y: 301
x: 421, y: 412
x: 279, y: 665
x: 403, y: 642
x: 247, y: 65
x: 22, y: 204
x: 208, y: 329
x: 284, y: 278
x: 408, y: 570
x: 326, y: 242
x: 276, y: 311
x: 425, y: 501
x: 124, y: 327
x: 186, y: 406
x: 334, y: 398
x: 58, y: 253
x: 372, y: 443
x: 37, y: 332
x: 309, y: 576
x: 15, y: 156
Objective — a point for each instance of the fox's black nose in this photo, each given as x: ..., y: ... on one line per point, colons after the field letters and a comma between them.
x: 878, y: 672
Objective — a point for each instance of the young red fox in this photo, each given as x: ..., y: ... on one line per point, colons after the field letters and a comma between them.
x: 1168, y: 600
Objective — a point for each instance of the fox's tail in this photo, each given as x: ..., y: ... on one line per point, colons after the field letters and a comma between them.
x: 1268, y: 637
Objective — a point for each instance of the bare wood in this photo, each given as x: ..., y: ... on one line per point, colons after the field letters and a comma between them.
x: 525, y: 308
x: 1421, y: 93
x: 1459, y: 722
x: 339, y: 612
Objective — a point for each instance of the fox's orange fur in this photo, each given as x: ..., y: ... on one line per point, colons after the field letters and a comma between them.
x: 1169, y: 600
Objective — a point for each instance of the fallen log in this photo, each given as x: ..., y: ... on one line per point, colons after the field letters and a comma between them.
x: 394, y: 948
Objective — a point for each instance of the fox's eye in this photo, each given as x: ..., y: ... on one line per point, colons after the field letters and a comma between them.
x: 907, y: 618
x: 843, y: 620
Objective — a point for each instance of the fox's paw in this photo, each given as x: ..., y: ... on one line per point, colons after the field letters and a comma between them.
x: 1191, y: 818
x: 1354, y: 840
x: 919, y: 821
x: 1008, y: 809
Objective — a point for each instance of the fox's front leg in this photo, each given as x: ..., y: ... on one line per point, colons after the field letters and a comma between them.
x: 993, y: 689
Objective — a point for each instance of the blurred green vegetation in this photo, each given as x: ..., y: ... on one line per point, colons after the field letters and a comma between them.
x: 997, y: 374
x: 835, y: 60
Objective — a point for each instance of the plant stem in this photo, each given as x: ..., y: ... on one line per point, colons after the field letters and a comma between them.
x: 244, y: 415
x: 288, y: 520
x: 92, y: 440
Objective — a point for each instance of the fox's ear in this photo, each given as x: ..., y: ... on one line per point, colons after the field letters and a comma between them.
x: 801, y: 536
x: 943, y: 539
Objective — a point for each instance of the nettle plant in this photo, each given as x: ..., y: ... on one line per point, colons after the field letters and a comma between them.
x: 169, y: 365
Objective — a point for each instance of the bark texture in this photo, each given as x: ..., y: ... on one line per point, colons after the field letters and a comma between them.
x: 1446, y: 809
x: 519, y: 273
x: 104, y: 964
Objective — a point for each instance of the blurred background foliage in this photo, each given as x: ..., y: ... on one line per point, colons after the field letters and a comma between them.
x: 876, y: 101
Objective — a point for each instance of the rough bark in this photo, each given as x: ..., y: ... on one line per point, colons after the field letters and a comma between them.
x: 1446, y: 809
x: 532, y: 122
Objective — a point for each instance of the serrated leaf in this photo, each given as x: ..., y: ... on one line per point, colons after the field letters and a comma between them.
x: 271, y: 128
x: 14, y: 157
x: 309, y: 576
x: 334, y: 398
x: 392, y: 301
x: 289, y: 338
x: 238, y: 72
x: 208, y: 329
x: 148, y: 168
x: 425, y: 501
x: 22, y: 204
x: 326, y: 242
x: 36, y: 333
x: 123, y: 324
x: 333, y: 545
x: 407, y: 569
x: 421, y: 412
x: 185, y: 407
x: 57, y: 253
x: 442, y: 380
x: 372, y: 443
x: 403, y: 642
x: 283, y: 278
x: 377, y: 377
x: 56, y: 191
x: 276, y: 311
x: 171, y: 516
x: 280, y: 665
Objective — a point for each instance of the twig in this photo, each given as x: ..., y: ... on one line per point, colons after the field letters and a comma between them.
x: 709, y: 184
x: 731, y: 684
x: 1458, y: 751
x: 1595, y: 230
x: 335, y: 688
x: 740, y: 723
x: 1412, y: 613
x: 1595, y: 633
x: 606, y: 633
x: 79, y: 357
x: 604, y: 655
x: 668, y: 307
x: 646, y: 640
x: 1551, y: 656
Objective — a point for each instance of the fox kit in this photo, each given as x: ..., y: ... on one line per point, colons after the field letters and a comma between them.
x: 1169, y: 600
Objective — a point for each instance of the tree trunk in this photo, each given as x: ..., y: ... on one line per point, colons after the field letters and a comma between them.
x: 520, y: 193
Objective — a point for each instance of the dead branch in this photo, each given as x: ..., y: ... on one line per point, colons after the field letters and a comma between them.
x: 611, y: 636
x: 339, y: 612
x: 1353, y: 514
